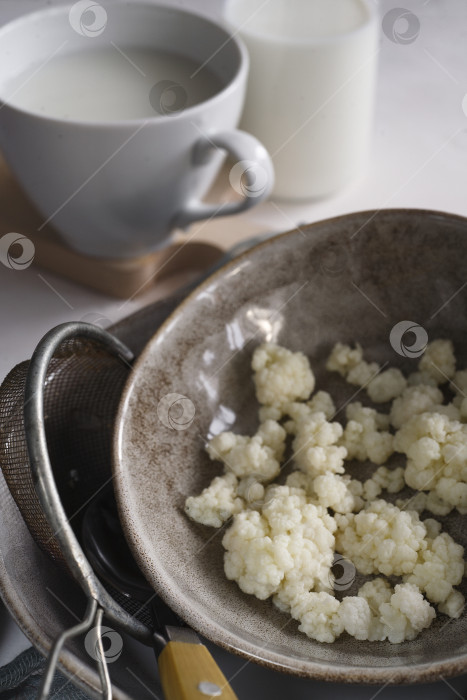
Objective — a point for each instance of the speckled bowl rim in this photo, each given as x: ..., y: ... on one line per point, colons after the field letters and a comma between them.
x: 211, y: 629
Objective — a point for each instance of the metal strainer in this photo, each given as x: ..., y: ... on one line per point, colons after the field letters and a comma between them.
x: 58, y: 409
x: 81, y: 391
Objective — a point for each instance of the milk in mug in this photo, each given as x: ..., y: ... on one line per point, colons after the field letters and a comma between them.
x: 118, y: 134
x: 108, y: 84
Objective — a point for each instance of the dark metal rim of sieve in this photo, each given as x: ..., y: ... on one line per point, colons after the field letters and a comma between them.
x: 42, y: 472
x: 38, y: 483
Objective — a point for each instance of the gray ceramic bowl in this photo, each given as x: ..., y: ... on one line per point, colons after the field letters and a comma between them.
x: 350, y: 279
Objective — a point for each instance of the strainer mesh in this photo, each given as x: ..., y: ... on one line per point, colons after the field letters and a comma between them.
x: 81, y: 395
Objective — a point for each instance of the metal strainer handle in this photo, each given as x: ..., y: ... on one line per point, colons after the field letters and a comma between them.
x: 98, y: 598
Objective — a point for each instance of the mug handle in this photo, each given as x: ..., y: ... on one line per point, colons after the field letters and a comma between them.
x: 252, y: 175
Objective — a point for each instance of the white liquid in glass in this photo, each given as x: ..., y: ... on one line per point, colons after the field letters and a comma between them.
x: 310, y: 88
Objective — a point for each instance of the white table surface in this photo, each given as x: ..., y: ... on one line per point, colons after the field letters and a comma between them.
x: 419, y: 159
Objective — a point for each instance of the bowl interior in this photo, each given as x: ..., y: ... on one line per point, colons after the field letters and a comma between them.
x: 346, y: 279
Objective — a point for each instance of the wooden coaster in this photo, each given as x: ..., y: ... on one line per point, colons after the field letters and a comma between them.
x: 119, y: 278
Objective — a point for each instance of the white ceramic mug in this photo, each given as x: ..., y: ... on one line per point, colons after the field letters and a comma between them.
x: 311, y: 88
x: 116, y: 185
